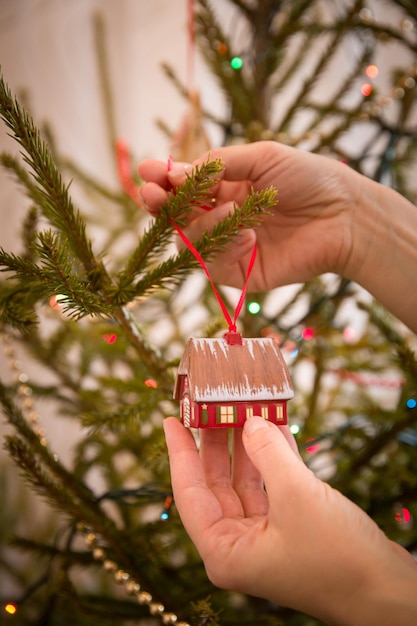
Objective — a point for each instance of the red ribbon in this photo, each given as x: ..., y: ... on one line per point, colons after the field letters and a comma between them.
x: 130, y: 187
x: 231, y: 322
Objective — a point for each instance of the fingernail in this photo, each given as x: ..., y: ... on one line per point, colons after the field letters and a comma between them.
x: 144, y: 205
x: 178, y: 170
x: 253, y: 424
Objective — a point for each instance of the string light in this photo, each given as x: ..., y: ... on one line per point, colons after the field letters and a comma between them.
x: 366, y: 89
x: 372, y: 71
x: 56, y: 301
x: 307, y: 334
x: 411, y: 403
x: 150, y: 382
x: 236, y: 63
x: 110, y: 338
x: 295, y: 429
x: 403, y: 516
x: 10, y: 608
x: 349, y: 333
x: 254, y: 308
x: 313, y: 447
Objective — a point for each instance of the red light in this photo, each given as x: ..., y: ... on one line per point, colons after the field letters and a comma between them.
x: 110, y: 338
x: 403, y: 515
x: 150, y: 382
x: 307, y: 334
x: 313, y: 448
x: 366, y: 89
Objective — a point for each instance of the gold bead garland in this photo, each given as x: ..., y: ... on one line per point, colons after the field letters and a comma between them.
x: 24, y: 391
x: 132, y: 587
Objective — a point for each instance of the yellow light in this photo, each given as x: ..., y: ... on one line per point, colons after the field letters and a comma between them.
x: 372, y: 71
x: 11, y: 609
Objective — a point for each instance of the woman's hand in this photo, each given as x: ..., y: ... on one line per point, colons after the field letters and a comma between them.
x: 297, y: 542
x: 309, y: 231
x: 328, y: 218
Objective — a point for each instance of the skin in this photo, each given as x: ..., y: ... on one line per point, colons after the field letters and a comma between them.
x: 328, y: 218
x: 262, y: 522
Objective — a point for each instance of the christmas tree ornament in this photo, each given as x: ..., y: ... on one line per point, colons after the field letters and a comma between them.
x: 221, y: 382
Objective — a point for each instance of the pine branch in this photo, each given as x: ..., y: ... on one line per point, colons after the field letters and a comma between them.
x: 48, y: 191
x: 193, y: 192
x: 56, y: 274
x: 249, y: 215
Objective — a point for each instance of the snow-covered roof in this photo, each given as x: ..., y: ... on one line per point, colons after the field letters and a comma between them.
x: 219, y: 372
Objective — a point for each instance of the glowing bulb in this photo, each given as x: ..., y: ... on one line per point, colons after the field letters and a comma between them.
x: 164, y: 516
x: 150, y: 382
x: 411, y: 403
x: 349, y: 333
x: 314, y: 447
x: 254, y: 308
x: 366, y: 89
x: 236, y: 63
x: 372, y: 71
x: 10, y: 608
x: 55, y: 301
x: 295, y: 429
x: 110, y: 338
x: 307, y: 334
x: 403, y: 515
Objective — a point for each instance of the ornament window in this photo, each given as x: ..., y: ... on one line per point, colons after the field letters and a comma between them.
x: 227, y: 414
x: 249, y: 412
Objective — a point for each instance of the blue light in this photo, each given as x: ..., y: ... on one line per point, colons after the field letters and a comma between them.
x: 164, y: 516
x: 411, y: 403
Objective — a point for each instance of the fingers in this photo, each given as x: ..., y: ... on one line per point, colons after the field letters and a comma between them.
x: 246, y: 162
x: 215, y: 459
x: 276, y: 460
x: 197, y: 505
x: 247, y: 481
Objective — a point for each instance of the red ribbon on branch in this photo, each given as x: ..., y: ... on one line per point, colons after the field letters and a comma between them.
x: 130, y: 187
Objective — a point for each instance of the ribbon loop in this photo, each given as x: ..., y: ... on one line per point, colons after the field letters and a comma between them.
x: 231, y: 322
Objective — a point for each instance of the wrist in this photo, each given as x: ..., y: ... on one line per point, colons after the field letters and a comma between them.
x: 388, y: 596
x: 382, y: 256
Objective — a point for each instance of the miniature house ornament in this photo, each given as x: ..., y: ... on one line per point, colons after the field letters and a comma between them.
x: 221, y: 382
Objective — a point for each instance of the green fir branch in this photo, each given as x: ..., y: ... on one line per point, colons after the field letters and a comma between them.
x: 153, y: 243
x: 48, y: 191
x: 56, y: 274
x: 249, y: 215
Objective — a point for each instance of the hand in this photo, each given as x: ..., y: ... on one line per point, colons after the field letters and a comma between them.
x: 309, y: 231
x: 328, y: 218
x: 299, y: 543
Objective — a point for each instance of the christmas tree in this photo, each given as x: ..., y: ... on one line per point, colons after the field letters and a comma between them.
x: 96, y: 309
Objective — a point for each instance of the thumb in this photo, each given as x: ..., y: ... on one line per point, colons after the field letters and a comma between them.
x: 272, y: 454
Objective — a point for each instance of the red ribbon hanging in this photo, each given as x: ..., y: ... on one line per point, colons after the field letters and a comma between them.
x: 231, y: 322
x: 130, y: 187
